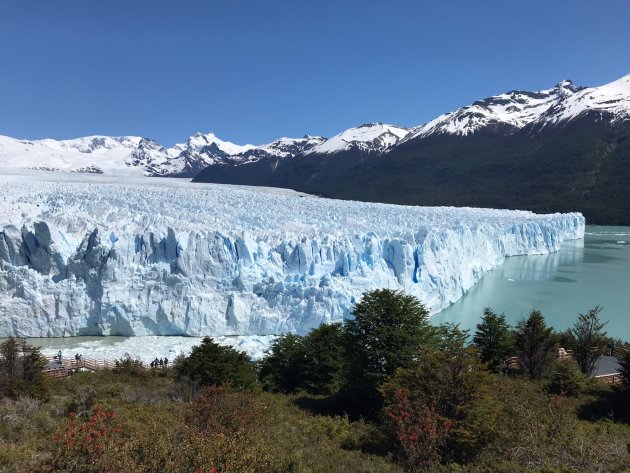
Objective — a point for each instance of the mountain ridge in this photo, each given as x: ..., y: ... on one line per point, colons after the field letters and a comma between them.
x: 539, y: 128
x: 556, y: 150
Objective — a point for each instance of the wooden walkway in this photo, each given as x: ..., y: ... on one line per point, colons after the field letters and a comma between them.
x: 67, y: 366
x: 606, y: 369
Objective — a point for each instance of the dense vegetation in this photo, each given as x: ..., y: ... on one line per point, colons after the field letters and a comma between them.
x: 384, y: 392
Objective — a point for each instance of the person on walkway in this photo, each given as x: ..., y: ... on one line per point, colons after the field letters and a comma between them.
x: 59, y: 356
x: 612, y: 347
x: 165, y: 362
x: 161, y: 362
x: 153, y: 364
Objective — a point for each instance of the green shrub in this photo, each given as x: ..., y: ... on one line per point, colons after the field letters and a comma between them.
x: 282, y: 370
x: 566, y: 379
x: 211, y: 364
x: 129, y: 366
x: 388, y: 332
x: 534, y: 344
x: 326, y: 359
x: 494, y: 340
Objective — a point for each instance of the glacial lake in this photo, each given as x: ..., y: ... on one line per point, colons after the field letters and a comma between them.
x: 583, y: 274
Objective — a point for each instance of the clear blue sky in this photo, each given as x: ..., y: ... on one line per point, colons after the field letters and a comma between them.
x: 254, y: 70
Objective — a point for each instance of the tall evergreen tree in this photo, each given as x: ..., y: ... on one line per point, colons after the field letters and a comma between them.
x: 494, y: 340
x: 388, y: 331
x: 588, y: 339
x: 21, y: 370
x: 534, y: 344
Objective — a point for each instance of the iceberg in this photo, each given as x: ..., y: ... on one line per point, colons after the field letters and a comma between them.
x: 97, y: 255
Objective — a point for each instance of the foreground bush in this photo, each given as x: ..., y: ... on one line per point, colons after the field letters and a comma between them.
x: 88, y: 444
x: 211, y: 364
x: 566, y: 378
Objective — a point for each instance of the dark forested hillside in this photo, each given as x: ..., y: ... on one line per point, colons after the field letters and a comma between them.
x: 578, y: 165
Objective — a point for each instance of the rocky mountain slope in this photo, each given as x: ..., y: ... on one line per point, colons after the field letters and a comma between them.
x: 560, y: 149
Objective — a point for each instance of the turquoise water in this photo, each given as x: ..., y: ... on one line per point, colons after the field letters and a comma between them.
x: 583, y: 274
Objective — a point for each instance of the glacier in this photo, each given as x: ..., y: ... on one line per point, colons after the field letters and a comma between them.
x: 139, y: 256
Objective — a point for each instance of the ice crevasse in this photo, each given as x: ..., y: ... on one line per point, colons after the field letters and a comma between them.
x: 167, y: 257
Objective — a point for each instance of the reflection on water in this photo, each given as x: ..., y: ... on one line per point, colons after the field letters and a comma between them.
x: 540, y: 267
x: 582, y: 274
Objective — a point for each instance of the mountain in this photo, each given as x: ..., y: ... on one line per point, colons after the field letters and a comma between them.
x: 137, y: 156
x: 368, y: 138
x: 560, y: 149
x: 336, y: 156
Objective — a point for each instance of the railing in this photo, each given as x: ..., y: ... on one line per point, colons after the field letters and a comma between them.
x: 70, y: 365
x: 514, y: 362
x: 613, y: 379
x: 57, y: 372
x: 96, y: 365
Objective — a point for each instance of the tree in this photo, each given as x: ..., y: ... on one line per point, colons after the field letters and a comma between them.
x: 388, y: 332
x: 624, y: 362
x: 211, y: 364
x: 440, y: 394
x: 534, y: 344
x: 566, y: 378
x: 494, y: 340
x: 283, y: 367
x: 588, y: 339
x: 22, y: 370
x: 326, y: 367
x: 315, y: 363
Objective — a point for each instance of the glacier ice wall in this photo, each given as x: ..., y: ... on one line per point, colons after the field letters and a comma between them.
x: 155, y: 257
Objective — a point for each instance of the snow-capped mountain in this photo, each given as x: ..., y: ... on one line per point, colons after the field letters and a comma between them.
x: 611, y: 101
x: 517, y: 109
x: 511, y: 110
x: 92, y: 154
x: 560, y: 149
x: 367, y: 138
x: 279, y: 149
x: 134, y: 155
